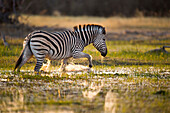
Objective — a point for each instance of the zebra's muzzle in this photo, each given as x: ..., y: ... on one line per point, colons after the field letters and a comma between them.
x: 104, y: 53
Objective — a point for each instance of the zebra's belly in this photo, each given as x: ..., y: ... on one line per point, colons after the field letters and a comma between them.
x: 51, y: 56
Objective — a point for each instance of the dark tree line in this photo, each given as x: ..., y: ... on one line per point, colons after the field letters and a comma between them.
x: 8, y: 7
x: 114, y: 7
x: 103, y: 8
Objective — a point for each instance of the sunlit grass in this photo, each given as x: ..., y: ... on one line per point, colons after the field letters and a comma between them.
x: 137, y: 23
x: 120, y: 53
x: 111, y: 23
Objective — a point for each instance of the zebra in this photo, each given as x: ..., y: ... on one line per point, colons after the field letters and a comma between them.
x: 62, y: 45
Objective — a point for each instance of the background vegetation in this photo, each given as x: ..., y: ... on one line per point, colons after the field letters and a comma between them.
x: 104, y: 8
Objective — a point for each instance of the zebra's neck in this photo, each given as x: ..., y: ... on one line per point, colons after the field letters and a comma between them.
x: 85, y: 34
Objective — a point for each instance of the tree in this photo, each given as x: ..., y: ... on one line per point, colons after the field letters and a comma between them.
x: 8, y: 7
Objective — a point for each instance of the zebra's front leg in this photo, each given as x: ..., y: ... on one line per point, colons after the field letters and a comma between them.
x: 63, y: 64
x: 83, y: 55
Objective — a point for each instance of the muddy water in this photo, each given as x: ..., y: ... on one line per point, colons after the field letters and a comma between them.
x: 101, y: 91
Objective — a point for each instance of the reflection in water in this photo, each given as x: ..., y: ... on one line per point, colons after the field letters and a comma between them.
x: 17, y: 99
x: 58, y: 94
x: 110, y: 98
x: 60, y: 110
x: 92, y: 90
x: 13, y: 100
x: 81, y: 93
x: 110, y: 102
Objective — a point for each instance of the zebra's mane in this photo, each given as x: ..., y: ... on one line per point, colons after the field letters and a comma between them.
x: 77, y: 28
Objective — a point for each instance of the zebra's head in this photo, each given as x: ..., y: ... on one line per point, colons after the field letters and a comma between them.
x: 92, y: 34
x: 99, y: 40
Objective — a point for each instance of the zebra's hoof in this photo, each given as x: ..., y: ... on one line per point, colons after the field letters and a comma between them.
x: 90, y: 65
x: 37, y: 73
x: 18, y: 70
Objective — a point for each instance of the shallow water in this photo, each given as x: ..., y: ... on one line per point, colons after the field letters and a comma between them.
x: 111, y: 90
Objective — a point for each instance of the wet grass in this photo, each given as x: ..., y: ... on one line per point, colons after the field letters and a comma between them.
x: 136, y: 93
x: 139, y: 82
x: 120, y: 53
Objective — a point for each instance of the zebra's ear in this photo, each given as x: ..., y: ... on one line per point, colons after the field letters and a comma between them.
x: 104, y: 31
x: 75, y: 28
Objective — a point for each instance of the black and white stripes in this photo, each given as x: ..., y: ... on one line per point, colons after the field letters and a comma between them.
x: 88, y: 32
x: 54, y: 45
x: 62, y: 45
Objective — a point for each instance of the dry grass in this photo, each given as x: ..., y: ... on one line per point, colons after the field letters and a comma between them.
x: 137, y: 23
x: 111, y: 23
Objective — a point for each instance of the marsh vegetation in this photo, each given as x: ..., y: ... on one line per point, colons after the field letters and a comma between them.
x: 127, y: 80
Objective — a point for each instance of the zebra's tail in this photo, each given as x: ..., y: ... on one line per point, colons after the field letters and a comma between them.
x: 26, y: 53
x: 18, y: 61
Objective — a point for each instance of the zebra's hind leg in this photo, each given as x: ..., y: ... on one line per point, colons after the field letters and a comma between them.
x: 63, y: 64
x: 45, y: 66
x: 38, y: 65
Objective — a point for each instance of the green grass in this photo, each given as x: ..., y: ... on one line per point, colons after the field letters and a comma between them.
x: 119, y: 53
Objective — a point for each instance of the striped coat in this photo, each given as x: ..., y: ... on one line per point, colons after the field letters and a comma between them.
x: 62, y: 45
